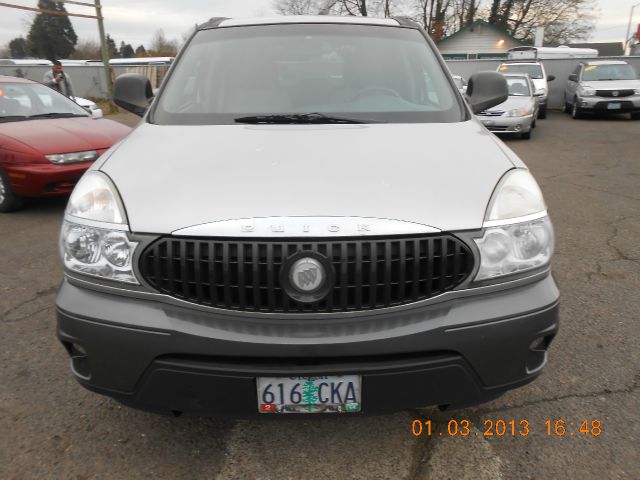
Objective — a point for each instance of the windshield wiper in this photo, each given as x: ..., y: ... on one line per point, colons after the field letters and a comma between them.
x: 11, y: 118
x: 301, y: 118
x: 56, y: 115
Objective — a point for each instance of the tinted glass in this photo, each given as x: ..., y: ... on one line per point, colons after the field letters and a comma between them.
x: 534, y: 71
x: 22, y: 100
x: 369, y: 73
x: 609, y: 72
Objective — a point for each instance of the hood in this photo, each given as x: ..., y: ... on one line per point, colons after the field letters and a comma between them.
x: 440, y: 175
x: 63, y: 135
x: 511, y: 103
x: 612, y: 84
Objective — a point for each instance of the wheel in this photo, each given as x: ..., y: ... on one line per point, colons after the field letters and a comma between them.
x: 635, y: 116
x: 9, y: 201
x: 542, y: 113
x: 566, y: 108
x: 533, y: 125
x: 526, y: 135
x: 575, y: 110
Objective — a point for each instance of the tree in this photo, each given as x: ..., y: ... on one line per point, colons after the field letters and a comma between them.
x: 111, y: 47
x: 141, y: 51
x: 18, y: 48
x: 87, y: 50
x: 162, y: 47
x: 126, y: 50
x: 51, y: 36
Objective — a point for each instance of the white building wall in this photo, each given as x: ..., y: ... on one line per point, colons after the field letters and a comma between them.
x: 482, y: 39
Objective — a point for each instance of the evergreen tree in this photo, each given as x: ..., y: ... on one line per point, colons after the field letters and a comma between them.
x: 141, y: 51
x: 111, y: 47
x: 18, y: 48
x: 51, y: 36
x: 126, y: 50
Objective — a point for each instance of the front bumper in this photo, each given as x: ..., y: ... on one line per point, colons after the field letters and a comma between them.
x: 166, y: 358
x: 605, y: 104
x: 508, y: 124
x: 45, y: 179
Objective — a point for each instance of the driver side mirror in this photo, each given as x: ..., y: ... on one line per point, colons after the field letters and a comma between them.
x: 573, y: 77
x: 551, y: 78
x: 486, y: 90
x: 133, y: 92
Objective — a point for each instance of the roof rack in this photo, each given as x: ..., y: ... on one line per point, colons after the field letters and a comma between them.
x: 407, y: 22
x: 212, y: 23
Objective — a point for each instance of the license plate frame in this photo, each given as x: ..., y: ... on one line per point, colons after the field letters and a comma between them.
x: 310, y: 395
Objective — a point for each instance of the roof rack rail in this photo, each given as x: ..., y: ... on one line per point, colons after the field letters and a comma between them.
x: 212, y: 23
x: 407, y: 22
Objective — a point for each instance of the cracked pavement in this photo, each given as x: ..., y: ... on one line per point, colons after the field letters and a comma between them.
x: 50, y: 427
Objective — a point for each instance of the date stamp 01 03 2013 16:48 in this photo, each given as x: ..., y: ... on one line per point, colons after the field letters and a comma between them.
x: 506, y: 428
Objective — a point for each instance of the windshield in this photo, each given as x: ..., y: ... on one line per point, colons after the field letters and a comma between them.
x: 594, y: 73
x: 24, y: 101
x: 534, y: 70
x: 350, y: 72
x: 518, y: 87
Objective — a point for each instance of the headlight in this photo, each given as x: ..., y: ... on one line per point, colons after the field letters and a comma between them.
x: 518, y: 234
x: 515, y: 248
x: 541, y: 91
x: 75, y: 157
x: 587, y: 91
x: 96, y: 198
x: 98, y: 252
x: 518, y: 112
x: 637, y: 91
x: 94, y: 239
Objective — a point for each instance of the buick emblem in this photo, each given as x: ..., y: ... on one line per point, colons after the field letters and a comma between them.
x: 307, y: 275
x: 616, y: 93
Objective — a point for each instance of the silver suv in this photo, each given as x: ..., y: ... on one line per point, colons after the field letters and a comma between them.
x: 308, y: 219
x: 603, y: 86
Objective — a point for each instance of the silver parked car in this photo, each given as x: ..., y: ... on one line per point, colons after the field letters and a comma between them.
x: 518, y: 114
x: 603, y: 86
x: 308, y: 219
x: 535, y: 69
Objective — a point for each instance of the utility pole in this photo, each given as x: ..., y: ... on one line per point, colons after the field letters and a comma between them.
x: 626, y: 37
x: 105, y: 56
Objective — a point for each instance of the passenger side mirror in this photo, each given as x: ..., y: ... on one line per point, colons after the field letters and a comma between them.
x: 486, y: 90
x: 573, y: 77
x: 551, y: 78
x: 133, y: 92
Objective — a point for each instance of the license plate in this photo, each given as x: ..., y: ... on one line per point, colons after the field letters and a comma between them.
x: 614, y: 106
x: 326, y: 394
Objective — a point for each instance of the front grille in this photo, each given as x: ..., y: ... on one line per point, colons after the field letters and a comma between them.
x: 244, y: 274
x: 609, y: 93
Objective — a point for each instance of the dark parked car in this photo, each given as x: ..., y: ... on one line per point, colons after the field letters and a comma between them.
x: 47, y: 142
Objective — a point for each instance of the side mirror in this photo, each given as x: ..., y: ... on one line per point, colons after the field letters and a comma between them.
x: 132, y: 91
x: 486, y: 90
x: 97, y: 113
x: 573, y: 77
x: 551, y: 78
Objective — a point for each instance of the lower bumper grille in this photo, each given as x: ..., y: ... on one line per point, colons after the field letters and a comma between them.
x: 245, y: 275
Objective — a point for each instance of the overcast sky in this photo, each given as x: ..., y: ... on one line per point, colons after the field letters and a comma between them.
x: 134, y: 21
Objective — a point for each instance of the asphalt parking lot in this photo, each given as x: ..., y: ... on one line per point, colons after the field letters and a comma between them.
x: 589, y: 170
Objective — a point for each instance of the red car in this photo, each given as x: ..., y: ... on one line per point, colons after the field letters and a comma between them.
x: 46, y: 141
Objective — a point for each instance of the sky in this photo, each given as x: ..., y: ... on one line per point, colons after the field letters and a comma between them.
x: 135, y: 21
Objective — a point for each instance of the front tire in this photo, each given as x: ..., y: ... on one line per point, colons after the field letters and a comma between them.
x: 9, y: 201
x: 526, y: 135
x: 542, y: 113
x: 576, y: 113
x: 635, y: 116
